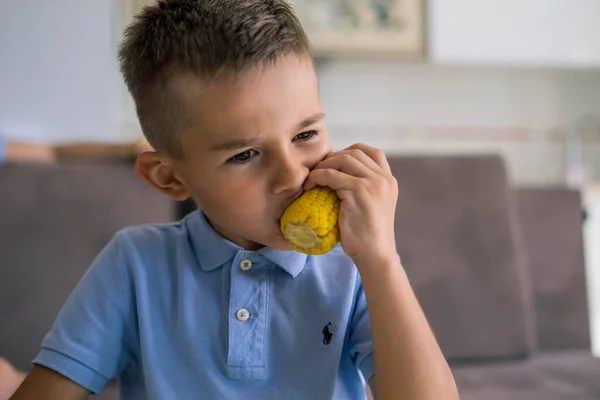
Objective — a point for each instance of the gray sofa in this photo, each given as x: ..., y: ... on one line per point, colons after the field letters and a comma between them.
x: 498, y: 270
x: 500, y: 274
x: 53, y: 222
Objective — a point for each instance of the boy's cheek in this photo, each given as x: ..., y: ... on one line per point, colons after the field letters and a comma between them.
x: 321, y: 153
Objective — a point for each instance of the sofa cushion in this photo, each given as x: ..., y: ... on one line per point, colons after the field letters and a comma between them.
x: 455, y: 228
x: 551, y: 220
x: 520, y: 380
x: 54, y: 221
x: 577, y: 367
x: 569, y: 375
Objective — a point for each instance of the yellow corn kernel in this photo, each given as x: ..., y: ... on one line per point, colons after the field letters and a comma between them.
x: 310, y: 223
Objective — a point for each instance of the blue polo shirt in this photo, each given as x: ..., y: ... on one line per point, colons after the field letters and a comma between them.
x: 175, y: 311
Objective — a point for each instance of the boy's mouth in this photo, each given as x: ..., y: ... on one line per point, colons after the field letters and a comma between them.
x: 290, y: 201
x: 293, y: 198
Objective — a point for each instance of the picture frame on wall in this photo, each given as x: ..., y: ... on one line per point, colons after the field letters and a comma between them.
x: 373, y: 29
x: 364, y: 28
x: 132, y: 7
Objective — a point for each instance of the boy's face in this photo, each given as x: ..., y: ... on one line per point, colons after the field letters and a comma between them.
x: 249, y: 145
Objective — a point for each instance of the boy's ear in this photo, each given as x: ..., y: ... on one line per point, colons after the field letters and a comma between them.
x: 155, y: 169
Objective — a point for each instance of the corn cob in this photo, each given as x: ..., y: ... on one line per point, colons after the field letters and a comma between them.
x: 310, y: 223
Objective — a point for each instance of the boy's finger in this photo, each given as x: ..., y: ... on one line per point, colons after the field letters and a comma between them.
x: 359, y: 155
x: 376, y: 155
x: 348, y: 164
x: 331, y: 178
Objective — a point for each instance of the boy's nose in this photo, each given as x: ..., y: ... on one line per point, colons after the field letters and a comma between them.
x: 289, y: 175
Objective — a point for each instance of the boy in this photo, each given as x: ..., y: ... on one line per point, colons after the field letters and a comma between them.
x: 217, y: 306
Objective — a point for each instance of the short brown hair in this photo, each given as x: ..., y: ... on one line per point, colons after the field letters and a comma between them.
x: 203, y: 38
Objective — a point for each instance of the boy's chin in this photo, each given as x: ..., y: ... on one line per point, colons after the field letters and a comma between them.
x: 279, y: 242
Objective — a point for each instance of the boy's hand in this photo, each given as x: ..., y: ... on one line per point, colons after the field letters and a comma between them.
x: 10, y: 379
x: 362, y: 178
x: 414, y: 367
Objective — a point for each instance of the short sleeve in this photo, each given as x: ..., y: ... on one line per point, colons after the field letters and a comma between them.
x: 360, y: 341
x: 90, y: 339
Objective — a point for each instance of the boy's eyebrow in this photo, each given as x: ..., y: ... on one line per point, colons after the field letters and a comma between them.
x: 233, y: 144
x: 249, y: 142
x: 310, y: 120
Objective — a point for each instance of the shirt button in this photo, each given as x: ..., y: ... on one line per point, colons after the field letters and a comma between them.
x: 243, y: 314
x: 245, y: 264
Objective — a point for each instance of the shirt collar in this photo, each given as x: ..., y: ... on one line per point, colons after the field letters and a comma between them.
x: 213, y: 250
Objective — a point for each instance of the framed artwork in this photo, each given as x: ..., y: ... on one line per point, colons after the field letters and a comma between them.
x: 132, y: 7
x: 379, y: 29
x: 364, y: 28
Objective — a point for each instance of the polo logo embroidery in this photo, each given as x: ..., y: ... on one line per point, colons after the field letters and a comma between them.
x: 327, y: 335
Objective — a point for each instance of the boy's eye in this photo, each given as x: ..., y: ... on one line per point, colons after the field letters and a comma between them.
x: 243, y: 157
x: 305, y: 135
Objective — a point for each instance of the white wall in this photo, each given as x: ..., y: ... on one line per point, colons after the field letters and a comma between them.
x: 371, y: 93
x: 521, y: 113
x: 515, y: 32
x: 58, y: 74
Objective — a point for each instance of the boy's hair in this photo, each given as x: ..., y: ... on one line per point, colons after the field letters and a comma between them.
x: 202, y: 38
